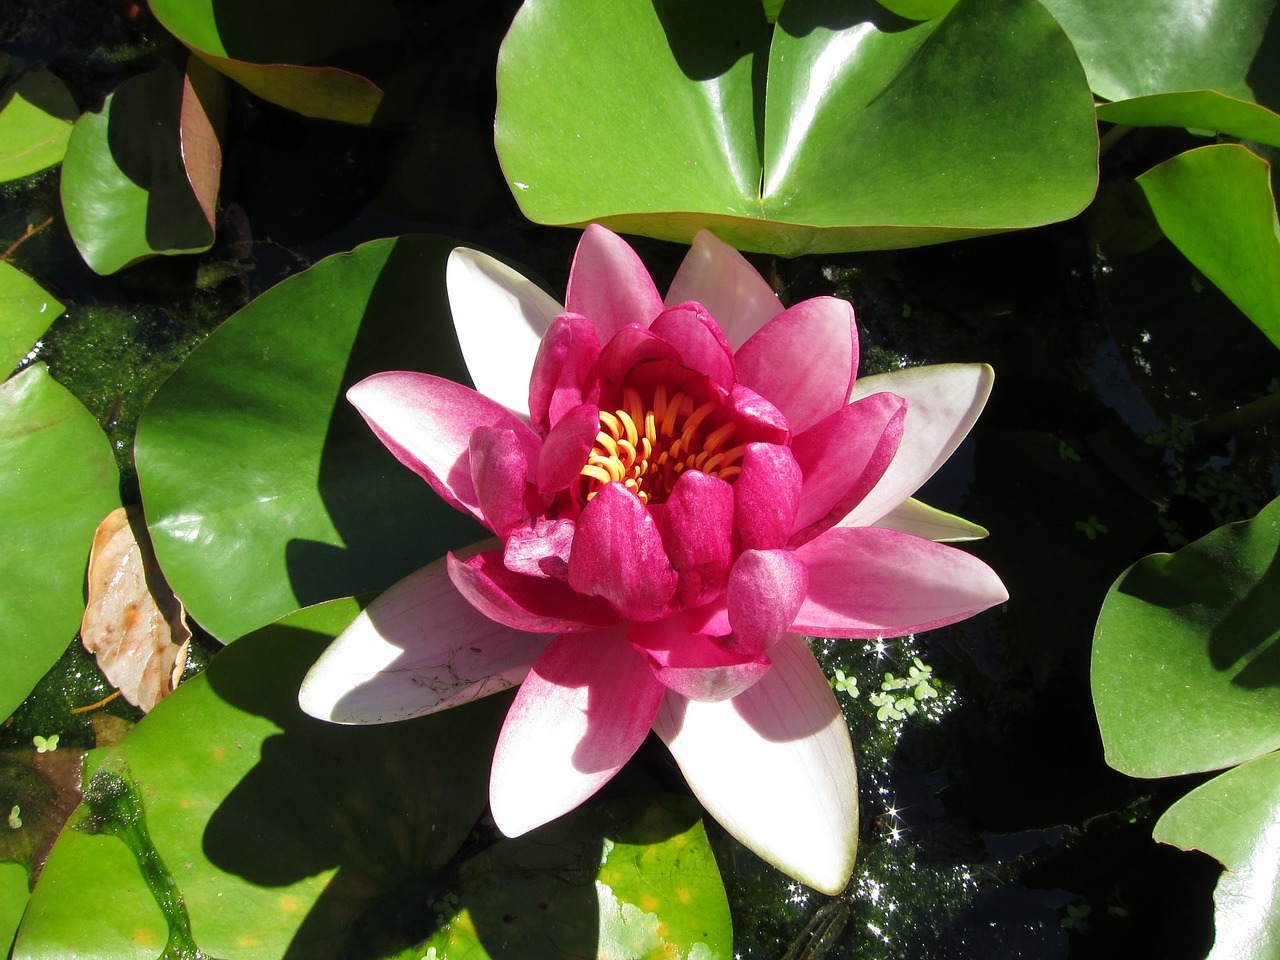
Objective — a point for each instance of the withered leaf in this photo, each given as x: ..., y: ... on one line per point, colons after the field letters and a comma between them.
x: 133, y: 624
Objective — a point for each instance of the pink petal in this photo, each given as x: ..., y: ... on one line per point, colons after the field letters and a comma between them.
x: 561, y: 372
x: 609, y: 284
x: 584, y: 709
x: 532, y: 604
x: 618, y: 555
x: 766, y: 496
x: 866, y: 582
x: 765, y: 422
x: 500, y: 473
x: 492, y: 303
x: 694, y: 665
x: 943, y: 402
x: 540, y: 549
x: 843, y: 457
x: 697, y: 533
x: 774, y: 766
x: 427, y: 422
x: 804, y: 360
x: 719, y: 277
x: 630, y: 346
x: 701, y: 344
x: 766, y: 589
x: 567, y: 447
x: 418, y: 648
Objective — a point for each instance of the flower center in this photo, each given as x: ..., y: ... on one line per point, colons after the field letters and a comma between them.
x: 647, y: 448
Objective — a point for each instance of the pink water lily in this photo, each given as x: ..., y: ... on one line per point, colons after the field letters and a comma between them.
x: 679, y: 490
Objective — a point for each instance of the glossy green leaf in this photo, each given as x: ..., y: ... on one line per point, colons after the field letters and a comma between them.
x: 1235, y: 818
x: 36, y: 111
x: 1216, y: 205
x: 275, y: 48
x: 918, y: 9
x: 869, y: 130
x: 264, y: 489
x: 1143, y: 47
x: 57, y: 481
x: 1186, y: 667
x: 26, y: 311
x: 632, y: 878
x: 1205, y: 110
x: 13, y: 896
x: 230, y: 823
x: 127, y: 190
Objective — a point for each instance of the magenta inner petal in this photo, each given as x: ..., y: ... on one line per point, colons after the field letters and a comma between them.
x: 561, y: 377
x: 694, y: 665
x: 697, y: 532
x: 766, y: 496
x: 540, y: 548
x: 499, y: 470
x: 535, y: 604
x: 567, y: 447
x: 609, y: 283
x: 766, y: 589
x: 700, y: 342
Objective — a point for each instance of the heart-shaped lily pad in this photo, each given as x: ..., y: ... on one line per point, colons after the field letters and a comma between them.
x: 57, y: 480
x: 846, y: 129
x: 1186, y: 664
x: 264, y: 489
x: 36, y: 111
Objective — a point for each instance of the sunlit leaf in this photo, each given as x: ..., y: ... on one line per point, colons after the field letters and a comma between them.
x: 26, y: 311
x: 36, y: 111
x: 13, y: 897
x: 1186, y: 667
x: 133, y: 624
x: 127, y: 192
x: 276, y: 48
x: 57, y: 480
x: 870, y: 131
x: 1143, y: 47
x: 264, y: 490
x: 1204, y: 110
x: 1216, y: 205
x: 630, y: 878
x: 1235, y: 818
x: 236, y: 825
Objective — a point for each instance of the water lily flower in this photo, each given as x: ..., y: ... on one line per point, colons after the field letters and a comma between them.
x: 680, y: 490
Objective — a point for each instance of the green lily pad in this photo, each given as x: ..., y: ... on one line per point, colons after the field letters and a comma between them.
x: 232, y: 824
x: 13, y: 896
x: 1143, y: 47
x: 58, y: 481
x: 869, y: 131
x: 1233, y: 819
x: 1205, y: 110
x: 1186, y: 667
x: 140, y: 175
x: 264, y: 489
x: 1215, y: 203
x: 36, y: 111
x: 275, y: 48
x: 632, y: 878
x: 26, y: 311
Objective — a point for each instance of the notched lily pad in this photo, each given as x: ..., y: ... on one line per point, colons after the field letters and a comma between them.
x: 866, y: 130
x: 36, y: 112
x: 133, y: 624
x: 26, y: 311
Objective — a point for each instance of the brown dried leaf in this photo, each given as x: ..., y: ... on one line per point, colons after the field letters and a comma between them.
x: 133, y: 624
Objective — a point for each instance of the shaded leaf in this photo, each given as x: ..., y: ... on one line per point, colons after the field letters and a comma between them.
x: 26, y: 311
x: 870, y: 131
x: 632, y: 878
x: 57, y: 480
x: 273, y: 49
x: 264, y: 490
x: 1205, y: 110
x: 133, y: 624
x: 228, y: 796
x: 46, y: 787
x: 1186, y: 667
x: 1144, y: 47
x: 127, y: 192
x: 1235, y: 818
x: 1215, y: 203
x: 36, y: 111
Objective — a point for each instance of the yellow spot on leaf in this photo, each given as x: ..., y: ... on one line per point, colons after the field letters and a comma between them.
x: 290, y: 904
x: 650, y: 903
x: 683, y: 894
x: 219, y: 753
x: 144, y: 938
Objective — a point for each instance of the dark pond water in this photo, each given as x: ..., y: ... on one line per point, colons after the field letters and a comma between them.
x: 991, y: 825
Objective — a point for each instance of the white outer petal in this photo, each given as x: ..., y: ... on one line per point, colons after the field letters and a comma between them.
x: 775, y: 767
x: 500, y: 317
x: 921, y: 520
x: 721, y: 279
x: 416, y: 649
x: 943, y: 403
